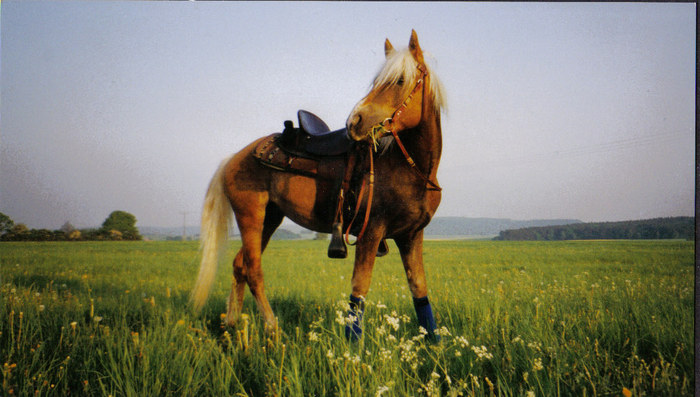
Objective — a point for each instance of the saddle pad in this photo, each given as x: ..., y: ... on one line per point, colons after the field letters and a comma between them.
x: 269, y: 153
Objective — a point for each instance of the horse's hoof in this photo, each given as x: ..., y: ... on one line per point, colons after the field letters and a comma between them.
x: 231, y: 320
x: 353, y: 332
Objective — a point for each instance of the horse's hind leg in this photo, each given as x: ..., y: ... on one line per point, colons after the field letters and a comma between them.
x: 235, y: 298
x: 256, y: 228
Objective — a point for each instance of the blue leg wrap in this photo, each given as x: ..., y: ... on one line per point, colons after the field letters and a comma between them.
x: 425, y: 317
x: 353, y: 331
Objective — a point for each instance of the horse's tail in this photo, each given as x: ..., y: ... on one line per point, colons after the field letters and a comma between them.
x: 216, y: 219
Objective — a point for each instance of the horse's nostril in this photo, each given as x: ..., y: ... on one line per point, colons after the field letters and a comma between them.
x: 354, y: 121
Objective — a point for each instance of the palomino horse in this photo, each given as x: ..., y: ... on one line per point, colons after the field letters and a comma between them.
x: 405, y: 100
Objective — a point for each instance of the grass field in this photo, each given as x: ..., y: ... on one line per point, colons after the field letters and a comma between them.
x: 606, y: 318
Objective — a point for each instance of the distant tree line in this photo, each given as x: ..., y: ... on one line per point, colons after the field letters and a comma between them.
x: 658, y: 228
x: 119, y: 225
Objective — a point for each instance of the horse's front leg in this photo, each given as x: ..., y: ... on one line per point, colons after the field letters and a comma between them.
x: 365, y: 253
x: 411, y: 250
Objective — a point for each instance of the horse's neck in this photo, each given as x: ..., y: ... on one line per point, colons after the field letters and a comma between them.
x: 424, y: 144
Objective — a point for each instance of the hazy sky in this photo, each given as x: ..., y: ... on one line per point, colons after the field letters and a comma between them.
x: 555, y: 110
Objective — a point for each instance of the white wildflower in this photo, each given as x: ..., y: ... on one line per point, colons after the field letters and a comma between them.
x: 384, y: 354
x: 381, y: 390
x: 537, y: 365
x: 463, y: 342
x: 406, y: 351
x: 482, y: 352
x: 340, y: 317
x: 443, y: 331
x: 393, y: 321
x: 535, y: 345
x: 313, y: 336
x: 475, y: 381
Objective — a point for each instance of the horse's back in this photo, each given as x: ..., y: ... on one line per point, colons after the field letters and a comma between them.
x: 308, y: 201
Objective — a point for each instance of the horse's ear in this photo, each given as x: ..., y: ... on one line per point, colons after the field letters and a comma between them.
x: 388, y: 48
x: 414, y: 47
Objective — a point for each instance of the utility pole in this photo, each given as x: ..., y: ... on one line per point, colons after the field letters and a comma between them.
x: 184, y: 225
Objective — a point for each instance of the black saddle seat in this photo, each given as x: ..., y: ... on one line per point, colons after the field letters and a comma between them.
x: 318, y: 139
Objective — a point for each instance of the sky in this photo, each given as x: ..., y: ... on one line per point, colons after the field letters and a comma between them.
x: 554, y: 110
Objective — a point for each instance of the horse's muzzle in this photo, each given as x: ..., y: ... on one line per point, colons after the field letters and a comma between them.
x: 353, y: 125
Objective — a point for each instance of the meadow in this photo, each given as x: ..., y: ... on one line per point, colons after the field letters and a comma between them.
x: 577, y: 318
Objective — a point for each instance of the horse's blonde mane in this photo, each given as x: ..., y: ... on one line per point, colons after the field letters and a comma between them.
x: 401, y: 64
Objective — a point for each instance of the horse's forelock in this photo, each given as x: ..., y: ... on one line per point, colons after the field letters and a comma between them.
x: 402, y: 64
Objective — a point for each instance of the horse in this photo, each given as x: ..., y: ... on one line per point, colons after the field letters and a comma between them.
x: 404, y: 104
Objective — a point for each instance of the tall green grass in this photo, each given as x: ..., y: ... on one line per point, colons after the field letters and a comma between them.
x: 530, y: 318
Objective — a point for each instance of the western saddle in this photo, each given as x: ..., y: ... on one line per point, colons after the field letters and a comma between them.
x: 314, y: 150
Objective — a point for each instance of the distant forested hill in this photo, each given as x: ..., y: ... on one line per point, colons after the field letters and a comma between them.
x: 658, y: 228
x: 459, y: 226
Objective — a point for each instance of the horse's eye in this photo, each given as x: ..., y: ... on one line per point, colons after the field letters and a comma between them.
x: 400, y: 81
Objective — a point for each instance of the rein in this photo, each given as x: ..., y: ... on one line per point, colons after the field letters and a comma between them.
x: 370, y: 195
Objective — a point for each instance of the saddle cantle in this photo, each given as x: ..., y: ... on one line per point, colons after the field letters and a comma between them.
x: 312, y: 124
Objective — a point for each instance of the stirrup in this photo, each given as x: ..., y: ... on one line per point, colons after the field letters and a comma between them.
x: 337, y: 248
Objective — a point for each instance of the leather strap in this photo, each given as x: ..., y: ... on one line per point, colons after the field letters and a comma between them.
x: 370, y: 195
x: 345, y: 187
x: 412, y: 163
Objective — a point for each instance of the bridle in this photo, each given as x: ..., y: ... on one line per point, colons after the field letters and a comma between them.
x: 389, y: 125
